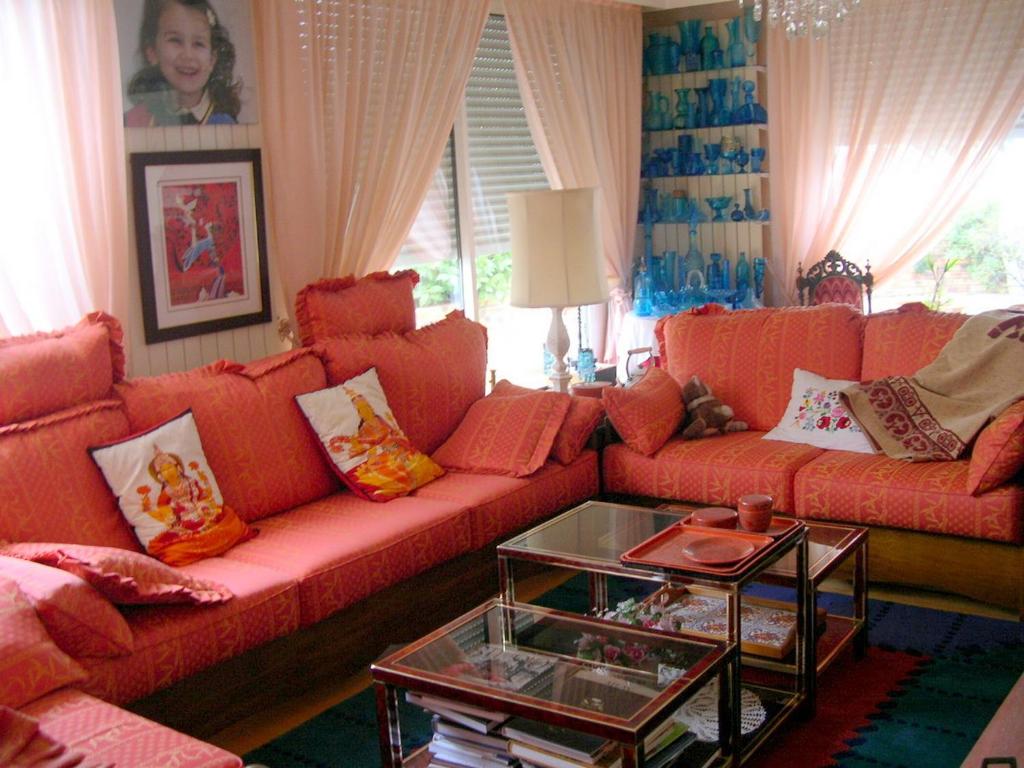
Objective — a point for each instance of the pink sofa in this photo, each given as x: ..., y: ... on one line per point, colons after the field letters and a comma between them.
x: 320, y: 551
x: 927, y: 529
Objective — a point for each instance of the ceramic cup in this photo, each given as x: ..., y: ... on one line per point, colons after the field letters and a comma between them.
x: 755, y: 512
x: 714, y: 517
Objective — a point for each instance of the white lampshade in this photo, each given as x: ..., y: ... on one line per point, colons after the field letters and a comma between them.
x: 556, y: 248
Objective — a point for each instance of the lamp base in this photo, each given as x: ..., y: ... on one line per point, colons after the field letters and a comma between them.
x: 558, y: 346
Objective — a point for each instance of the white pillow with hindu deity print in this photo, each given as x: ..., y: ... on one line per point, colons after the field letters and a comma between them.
x: 817, y: 416
x: 167, y: 491
x: 360, y: 435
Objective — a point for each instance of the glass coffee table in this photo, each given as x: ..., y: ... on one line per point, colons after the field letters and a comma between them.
x: 539, y: 664
x: 594, y: 536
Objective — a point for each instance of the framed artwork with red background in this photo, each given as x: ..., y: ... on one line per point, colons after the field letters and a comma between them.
x: 201, y: 241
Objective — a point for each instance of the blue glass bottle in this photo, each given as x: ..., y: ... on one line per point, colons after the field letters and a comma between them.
x: 737, y: 51
x: 748, y: 205
x: 708, y: 46
x: 714, y: 277
x: 742, y: 278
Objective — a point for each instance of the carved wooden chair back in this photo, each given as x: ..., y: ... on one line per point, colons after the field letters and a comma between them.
x: 837, y: 280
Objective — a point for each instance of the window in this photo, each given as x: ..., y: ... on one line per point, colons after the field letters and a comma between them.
x: 979, y: 264
x: 460, y: 241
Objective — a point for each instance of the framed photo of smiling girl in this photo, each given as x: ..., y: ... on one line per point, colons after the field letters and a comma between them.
x: 186, y: 62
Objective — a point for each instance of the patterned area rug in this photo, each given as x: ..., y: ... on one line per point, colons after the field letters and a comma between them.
x: 930, y: 683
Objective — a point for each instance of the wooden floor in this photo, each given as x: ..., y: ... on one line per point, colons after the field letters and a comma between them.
x: 274, y: 721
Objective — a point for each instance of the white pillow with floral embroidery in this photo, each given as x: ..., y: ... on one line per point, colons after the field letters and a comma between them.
x: 817, y: 416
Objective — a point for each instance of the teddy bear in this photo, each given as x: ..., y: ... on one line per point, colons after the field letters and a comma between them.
x: 705, y: 414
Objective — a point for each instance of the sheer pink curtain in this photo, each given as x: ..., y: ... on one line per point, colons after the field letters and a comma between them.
x: 63, y: 203
x: 359, y: 97
x: 879, y: 133
x: 578, y: 64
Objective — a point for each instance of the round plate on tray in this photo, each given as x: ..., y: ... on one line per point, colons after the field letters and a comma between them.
x: 717, y: 550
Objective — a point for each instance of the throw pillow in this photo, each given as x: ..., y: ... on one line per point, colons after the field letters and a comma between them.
x: 817, y: 416
x: 372, y: 304
x: 998, y: 452
x: 648, y: 413
x: 122, y: 576
x: 80, y: 620
x: 505, y: 435
x: 30, y: 664
x: 166, y: 490
x: 369, y: 451
x: 583, y: 417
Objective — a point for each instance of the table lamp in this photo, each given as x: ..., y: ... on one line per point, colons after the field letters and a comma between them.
x: 556, y: 260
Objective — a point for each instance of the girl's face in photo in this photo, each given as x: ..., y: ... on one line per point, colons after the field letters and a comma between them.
x: 183, y: 52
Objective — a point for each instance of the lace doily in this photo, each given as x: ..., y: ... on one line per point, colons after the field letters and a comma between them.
x: 701, y: 712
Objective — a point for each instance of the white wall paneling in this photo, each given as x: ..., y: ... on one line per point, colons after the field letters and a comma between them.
x: 240, y: 344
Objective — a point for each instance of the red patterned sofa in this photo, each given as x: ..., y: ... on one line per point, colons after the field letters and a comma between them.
x: 927, y: 530
x: 300, y: 613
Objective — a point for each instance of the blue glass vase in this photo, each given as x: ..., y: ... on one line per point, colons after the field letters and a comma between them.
x: 748, y: 205
x: 742, y: 278
x: 708, y: 46
x: 737, y: 51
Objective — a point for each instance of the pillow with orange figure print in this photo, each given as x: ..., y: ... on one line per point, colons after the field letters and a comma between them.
x: 360, y: 435
x: 166, y: 490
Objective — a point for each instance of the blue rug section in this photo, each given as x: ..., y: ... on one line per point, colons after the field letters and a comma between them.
x: 932, y: 721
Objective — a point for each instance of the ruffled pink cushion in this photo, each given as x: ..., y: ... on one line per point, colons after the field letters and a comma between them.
x: 585, y: 413
x: 507, y: 435
x: 30, y: 664
x: 45, y: 372
x: 79, y: 619
x: 124, y: 577
x: 373, y: 304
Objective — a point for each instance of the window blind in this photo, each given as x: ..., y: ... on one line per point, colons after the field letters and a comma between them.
x: 502, y: 156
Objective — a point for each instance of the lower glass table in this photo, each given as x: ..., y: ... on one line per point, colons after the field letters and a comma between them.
x: 557, y: 669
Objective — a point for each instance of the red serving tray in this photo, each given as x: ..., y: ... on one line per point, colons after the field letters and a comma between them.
x: 665, y: 549
x: 780, y: 527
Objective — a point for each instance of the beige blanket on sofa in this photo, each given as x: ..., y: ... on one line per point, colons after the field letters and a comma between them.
x: 934, y: 414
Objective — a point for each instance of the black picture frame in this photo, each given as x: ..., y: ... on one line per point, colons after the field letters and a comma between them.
x: 200, y: 212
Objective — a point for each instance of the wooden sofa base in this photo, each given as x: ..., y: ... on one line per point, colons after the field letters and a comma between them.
x: 988, y: 571
x: 325, y: 653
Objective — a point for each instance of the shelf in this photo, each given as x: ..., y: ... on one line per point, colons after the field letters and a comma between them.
x: 754, y: 222
x: 759, y: 126
x: 706, y: 176
x: 712, y: 72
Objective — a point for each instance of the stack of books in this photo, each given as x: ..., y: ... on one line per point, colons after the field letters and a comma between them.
x: 545, y: 746
x: 471, y: 737
x: 465, y: 736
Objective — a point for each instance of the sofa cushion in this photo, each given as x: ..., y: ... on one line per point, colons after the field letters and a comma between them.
x: 122, y: 576
x: 30, y: 664
x: 817, y: 416
x: 584, y: 416
x: 716, y: 470
x: 505, y: 435
x: 930, y: 497
x: 359, y: 434
x: 45, y: 464
x: 79, y: 619
x: 257, y: 442
x: 175, y: 641
x: 901, y: 342
x: 109, y: 735
x: 431, y: 375
x: 373, y: 304
x: 342, y: 548
x: 646, y: 414
x: 46, y: 372
x: 825, y: 339
x: 168, y: 493
x: 998, y: 453
x: 500, y: 505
